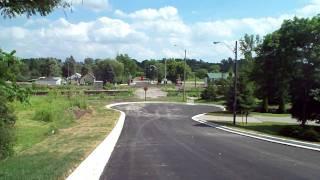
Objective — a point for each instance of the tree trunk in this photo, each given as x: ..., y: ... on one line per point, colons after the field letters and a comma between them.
x: 265, y: 105
x: 282, y: 105
x: 242, y: 117
x: 247, y: 117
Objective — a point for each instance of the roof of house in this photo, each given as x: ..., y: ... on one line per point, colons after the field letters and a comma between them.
x: 50, y: 79
x: 89, y: 74
x: 75, y: 76
x: 216, y: 75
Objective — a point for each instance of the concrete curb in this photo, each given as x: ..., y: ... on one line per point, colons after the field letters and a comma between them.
x: 269, y: 138
x: 93, y: 166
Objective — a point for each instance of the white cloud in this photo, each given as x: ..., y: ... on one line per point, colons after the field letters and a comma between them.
x: 143, y: 34
x: 95, y: 5
x: 165, y: 13
x: 310, y: 9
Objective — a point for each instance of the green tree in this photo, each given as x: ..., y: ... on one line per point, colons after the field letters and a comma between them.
x: 210, y: 93
x: 201, y: 73
x: 265, y: 68
x: 13, y: 8
x: 69, y: 67
x: 8, y: 66
x: 246, y: 97
x: 130, y: 67
x: 50, y: 67
x: 175, y: 69
x: 9, y: 91
x: 109, y: 70
x: 287, y: 67
x: 303, y: 46
x: 215, y: 68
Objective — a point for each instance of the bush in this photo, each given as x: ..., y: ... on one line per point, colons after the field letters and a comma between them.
x: 307, y: 133
x: 45, y: 115
x: 7, y: 120
x: 210, y: 93
x: 310, y: 135
x: 57, y: 109
x: 6, y: 141
x: 79, y: 101
x: 109, y: 86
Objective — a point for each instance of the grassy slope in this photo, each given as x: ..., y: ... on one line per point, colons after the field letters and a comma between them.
x: 43, y: 156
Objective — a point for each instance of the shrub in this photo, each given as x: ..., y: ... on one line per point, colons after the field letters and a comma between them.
x: 310, y: 135
x: 6, y: 141
x: 210, y: 93
x: 174, y: 93
x: 291, y: 131
x: 109, y: 86
x: 7, y: 120
x: 307, y: 133
x: 79, y: 101
x: 45, y: 115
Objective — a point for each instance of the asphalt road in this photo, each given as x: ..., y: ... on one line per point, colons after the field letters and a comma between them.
x: 160, y: 141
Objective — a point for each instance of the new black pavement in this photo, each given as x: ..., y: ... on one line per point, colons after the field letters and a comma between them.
x: 160, y: 141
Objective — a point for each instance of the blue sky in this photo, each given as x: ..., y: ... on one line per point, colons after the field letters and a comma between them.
x: 148, y: 28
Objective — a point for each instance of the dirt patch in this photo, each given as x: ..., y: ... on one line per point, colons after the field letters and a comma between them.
x: 152, y: 92
x: 81, y: 112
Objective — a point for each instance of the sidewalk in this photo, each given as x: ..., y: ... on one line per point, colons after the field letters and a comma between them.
x: 255, y: 119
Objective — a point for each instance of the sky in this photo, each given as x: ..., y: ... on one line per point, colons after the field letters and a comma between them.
x: 147, y: 29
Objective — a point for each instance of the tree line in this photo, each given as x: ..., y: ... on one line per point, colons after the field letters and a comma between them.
x: 117, y: 70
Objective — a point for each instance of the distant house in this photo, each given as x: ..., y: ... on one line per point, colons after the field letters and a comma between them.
x: 74, y: 79
x: 49, y: 81
x: 88, y: 79
x: 211, y: 77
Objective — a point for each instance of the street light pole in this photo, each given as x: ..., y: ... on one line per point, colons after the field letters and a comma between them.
x: 184, y: 73
x: 235, y: 83
x: 234, y: 108
x: 165, y: 72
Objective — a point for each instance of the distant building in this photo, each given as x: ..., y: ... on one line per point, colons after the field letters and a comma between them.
x: 74, y: 79
x: 211, y: 77
x: 49, y: 81
x: 88, y: 79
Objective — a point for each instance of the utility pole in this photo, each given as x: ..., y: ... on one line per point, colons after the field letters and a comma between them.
x: 184, y: 76
x: 184, y: 73
x: 235, y: 84
x: 68, y: 70
x: 165, y: 72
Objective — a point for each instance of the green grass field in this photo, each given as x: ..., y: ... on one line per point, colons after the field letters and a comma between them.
x: 52, y: 149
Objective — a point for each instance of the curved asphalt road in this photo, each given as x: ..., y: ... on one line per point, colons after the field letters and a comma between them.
x: 160, y: 141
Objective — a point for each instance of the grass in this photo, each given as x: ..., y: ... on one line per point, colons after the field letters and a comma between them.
x: 269, y: 114
x: 39, y: 154
x: 276, y: 129
x: 219, y: 102
x: 264, y: 127
x: 30, y: 131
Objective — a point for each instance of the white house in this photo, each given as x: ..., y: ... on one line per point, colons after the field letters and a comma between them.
x: 74, y: 79
x: 49, y: 81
